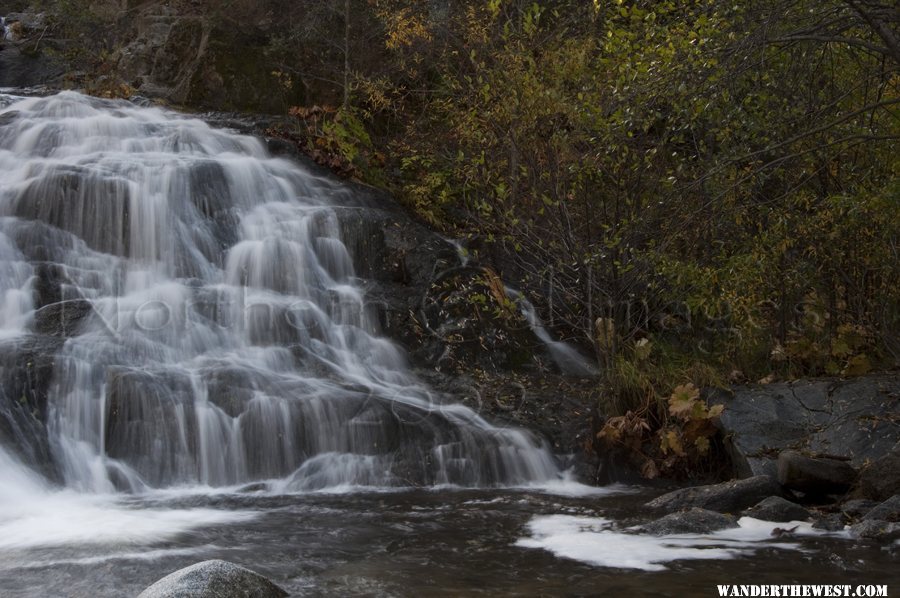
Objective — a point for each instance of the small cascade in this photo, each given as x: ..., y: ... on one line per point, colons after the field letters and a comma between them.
x: 217, y: 332
x: 566, y: 357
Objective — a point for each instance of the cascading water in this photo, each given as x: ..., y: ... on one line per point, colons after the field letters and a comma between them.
x: 566, y: 357
x: 220, y: 333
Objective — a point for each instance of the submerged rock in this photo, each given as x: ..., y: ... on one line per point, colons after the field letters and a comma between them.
x: 213, y: 579
x: 776, y: 508
x: 691, y: 521
x: 816, y: 476
x: 727, y: 497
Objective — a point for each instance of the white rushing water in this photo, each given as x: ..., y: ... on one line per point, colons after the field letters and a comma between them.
x: 36, y: 515
x: 221, y: 333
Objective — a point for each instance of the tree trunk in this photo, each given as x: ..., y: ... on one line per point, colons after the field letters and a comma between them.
x: 346, y: 54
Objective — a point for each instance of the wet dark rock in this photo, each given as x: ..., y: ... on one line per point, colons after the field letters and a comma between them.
x: 852, y: 418
x: 231, y: 388
x: 213, y: 579
x: 400, y: 258
x: 691, y: 521
x: 63, y: 318
x: 559, y: 408
x: 857, y: 507
x: 142, y: 408
x: 75, y: 200
x: 208, y: 185
x: 776, y: 508
x: 830, y: 522
x: 889, y: 510
x: 881, y: 479
x: 727, y: 497
x: 49, y: 278
x: 878, y: 530
x: 816, y: 476
x: 26, y: 372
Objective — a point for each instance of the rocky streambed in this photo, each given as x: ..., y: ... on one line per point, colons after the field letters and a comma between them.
x: 443, y: 542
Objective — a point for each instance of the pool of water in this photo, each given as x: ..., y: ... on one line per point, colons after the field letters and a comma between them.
x: 412, y: 543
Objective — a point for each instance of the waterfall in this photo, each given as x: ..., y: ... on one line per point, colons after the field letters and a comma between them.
x: 566, y: 357
x: 217, y: 333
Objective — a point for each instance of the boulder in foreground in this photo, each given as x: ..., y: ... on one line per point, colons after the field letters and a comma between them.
x: 213, y: 579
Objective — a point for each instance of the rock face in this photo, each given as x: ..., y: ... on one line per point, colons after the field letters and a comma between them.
x: 692, y: 521
x: 856, y: 419
x: 185, y: 59
x: 889, y: 510
x: 778, y: 509
x: 727, y: 497
x: 817, y: 476
x: 190, y: 59
x: 857, y: 507
x: 881, y: 523
x: 882, y: 531
x: 22, y: 62
x: 213, y: 579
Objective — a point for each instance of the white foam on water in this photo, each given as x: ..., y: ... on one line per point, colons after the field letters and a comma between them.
x: 567, y: 486
x: 594, y: 540
x: 64, y: 518
x: 34, y: 515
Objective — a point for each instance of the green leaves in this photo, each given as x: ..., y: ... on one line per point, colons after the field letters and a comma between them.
x: 664, y: 153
